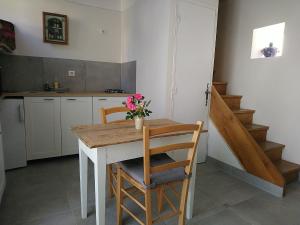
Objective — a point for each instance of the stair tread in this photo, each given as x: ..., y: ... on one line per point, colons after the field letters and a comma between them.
x: 286, y: 167
x: 269, y: 145
x: 243, y: 111
x: 219, y: 82
x: 231, y: 96
x: 252, y: 127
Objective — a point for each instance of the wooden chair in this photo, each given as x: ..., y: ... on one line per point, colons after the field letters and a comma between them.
x: 156, y: 171
x: 112, y: 176
x: 109, y: 111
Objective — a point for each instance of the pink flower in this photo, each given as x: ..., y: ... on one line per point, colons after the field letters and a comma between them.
x: 138, y: 96
x: 131, y: 106
x: 129, y: 99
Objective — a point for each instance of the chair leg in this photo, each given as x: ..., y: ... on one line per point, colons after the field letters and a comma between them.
x: 160, y: 199
x: 149, y: 218
x: 182, y: 207
x: 110, y: 180
x: 119, y: 196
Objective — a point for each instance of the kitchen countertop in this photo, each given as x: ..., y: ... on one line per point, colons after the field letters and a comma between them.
x: 61, y: 94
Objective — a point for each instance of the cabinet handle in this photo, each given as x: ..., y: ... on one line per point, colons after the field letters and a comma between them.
x: 71, y: 99
x: 48, y: 99
x: 102, y: 99
x: 21, y: 113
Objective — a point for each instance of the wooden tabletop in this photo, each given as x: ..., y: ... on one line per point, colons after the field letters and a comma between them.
x: 95, y: 136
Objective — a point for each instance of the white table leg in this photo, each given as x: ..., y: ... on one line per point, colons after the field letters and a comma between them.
x: 191, y: 193
x: 83, y: 165
x: 100, y: 186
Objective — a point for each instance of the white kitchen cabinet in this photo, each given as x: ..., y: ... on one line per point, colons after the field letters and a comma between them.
x: 74, y: 111
x: 107, y: 102
x: 13, y: 133
x: 48, y: 122
x: 42, y: 125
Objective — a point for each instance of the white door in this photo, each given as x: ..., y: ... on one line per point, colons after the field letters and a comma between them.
x: 107, y: 102
x: 74, y: 111
x: 42, y: 125
x: 195, y: 45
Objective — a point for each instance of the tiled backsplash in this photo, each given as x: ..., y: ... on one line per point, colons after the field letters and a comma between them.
x: 26, y: 73
x: 128, y: 76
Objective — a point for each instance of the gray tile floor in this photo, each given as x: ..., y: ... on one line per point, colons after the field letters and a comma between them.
x: 47, y: 193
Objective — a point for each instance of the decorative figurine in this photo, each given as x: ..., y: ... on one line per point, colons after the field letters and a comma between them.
x: 269, y: 51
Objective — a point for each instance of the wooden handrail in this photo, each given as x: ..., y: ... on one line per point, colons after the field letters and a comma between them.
x: 242, y: 144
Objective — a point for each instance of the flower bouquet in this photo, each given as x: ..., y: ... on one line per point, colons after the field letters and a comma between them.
x: 138, y: 109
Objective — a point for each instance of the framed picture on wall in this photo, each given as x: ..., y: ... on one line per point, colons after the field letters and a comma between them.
x: 55, y: 28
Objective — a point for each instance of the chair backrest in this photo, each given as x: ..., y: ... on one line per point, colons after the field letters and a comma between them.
x: 108, y: 111
x: 190, y: 147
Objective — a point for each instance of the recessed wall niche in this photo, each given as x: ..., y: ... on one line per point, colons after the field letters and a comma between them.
x: 267, y: 42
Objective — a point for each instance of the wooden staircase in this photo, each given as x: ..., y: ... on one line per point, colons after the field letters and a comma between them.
x: 272, y: 150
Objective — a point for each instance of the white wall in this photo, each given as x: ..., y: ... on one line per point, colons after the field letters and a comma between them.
x: 104, y: 4
x: 271, y: 86
x: 126, y: 4
x: 146, y: 39
x: 85, y: 39
x: 218, y: 148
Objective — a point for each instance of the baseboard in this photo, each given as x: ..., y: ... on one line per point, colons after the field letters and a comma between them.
x: 249, y: 178
x: 2, y: 188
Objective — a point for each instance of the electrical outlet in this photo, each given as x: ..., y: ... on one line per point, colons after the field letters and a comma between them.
x: 71, y: 73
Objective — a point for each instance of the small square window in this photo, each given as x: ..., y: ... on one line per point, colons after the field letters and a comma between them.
x: 267, y: 41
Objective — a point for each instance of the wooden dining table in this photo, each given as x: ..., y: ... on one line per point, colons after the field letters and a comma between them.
x: 111, y: 143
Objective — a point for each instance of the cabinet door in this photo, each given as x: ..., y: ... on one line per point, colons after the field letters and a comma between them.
x: 42, y: 124
x: 74, y: 111
x: 13, y: 133
x: 107, y: 102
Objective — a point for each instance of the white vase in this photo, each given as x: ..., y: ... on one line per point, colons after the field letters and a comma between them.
x: 139, y: 122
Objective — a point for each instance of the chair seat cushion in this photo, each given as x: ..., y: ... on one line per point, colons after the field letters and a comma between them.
x: 135, y: 168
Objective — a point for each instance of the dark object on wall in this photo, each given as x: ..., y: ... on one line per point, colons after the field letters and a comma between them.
x: 269, y: 51
x: 0, y: 80
x: 7, y: 36
x: 55, y: 28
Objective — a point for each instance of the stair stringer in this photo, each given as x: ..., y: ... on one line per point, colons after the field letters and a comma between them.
x: 242, y: 144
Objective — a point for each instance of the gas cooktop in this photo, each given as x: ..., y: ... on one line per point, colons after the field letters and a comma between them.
x: 114, y: 91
